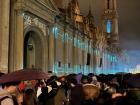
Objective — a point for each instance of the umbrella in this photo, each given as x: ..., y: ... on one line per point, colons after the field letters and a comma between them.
x: 23, y: 75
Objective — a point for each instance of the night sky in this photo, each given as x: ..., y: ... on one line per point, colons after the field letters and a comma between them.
x: 129, y: 23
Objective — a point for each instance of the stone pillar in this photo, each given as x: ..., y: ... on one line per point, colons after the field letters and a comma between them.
x: 82, y: 66
x: 115, y: 4
x: 19, y: 41
x: 64, y: 52
x: 51, y: 49
x: 74, y: 55
x: 105, y: 4
x: 4, y: 34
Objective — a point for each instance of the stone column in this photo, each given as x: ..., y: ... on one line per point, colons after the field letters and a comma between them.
x: 19, y: 41
x: 65, y: 50
x: 4, y: 34
x: 73, y: 55
x: 51, y: 49
x: 83, y: 56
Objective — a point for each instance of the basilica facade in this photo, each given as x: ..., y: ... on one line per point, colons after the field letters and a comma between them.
x: 51, y: 36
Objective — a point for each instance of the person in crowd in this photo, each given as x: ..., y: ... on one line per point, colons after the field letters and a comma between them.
x: 43, y: 97
x: 104, y: 98
x: 29, y: 97
x: 9, y: 93
x: 39, y: 85
x: 96, y: 82
x: 75, y: 92
x: 123, y: 100
x: 57, y: 95
x: 91, y: 91
x: 60, y: 98
x: 133, y: 86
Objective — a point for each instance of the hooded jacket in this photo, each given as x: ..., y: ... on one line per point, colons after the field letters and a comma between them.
x: 5, y: 101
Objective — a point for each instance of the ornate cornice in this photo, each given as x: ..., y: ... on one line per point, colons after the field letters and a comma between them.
x: 37, y: 7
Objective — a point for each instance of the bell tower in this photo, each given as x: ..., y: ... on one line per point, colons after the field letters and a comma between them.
x: 110, y: 22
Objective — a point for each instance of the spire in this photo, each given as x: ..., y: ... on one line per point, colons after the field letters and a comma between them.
x: 74, y: 11
x: 90, y: 17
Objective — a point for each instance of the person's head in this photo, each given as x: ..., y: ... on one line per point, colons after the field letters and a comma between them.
x: 41, y: 83
x: 29, y: 91
x: 86, y: 79
x: 44, y: 90
x: 73, y: 82
x: 11, y: 87
x: 53, y: 84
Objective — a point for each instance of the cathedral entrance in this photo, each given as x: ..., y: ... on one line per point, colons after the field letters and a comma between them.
x: 33, y: 51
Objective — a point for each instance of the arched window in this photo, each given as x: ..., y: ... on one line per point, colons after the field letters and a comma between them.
x: 108, y: 26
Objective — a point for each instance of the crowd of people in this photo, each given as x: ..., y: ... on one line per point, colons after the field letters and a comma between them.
x: 74, y: 89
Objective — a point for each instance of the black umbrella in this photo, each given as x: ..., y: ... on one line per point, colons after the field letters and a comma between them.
x: 22, y: 75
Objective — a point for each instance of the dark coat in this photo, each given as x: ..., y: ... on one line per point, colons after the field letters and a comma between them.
x: 43, y: 97
x: 76, y: 95
x: 56, y: 97
x: 29, y: 97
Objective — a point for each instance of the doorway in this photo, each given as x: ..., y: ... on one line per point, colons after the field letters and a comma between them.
x: 33, y: 51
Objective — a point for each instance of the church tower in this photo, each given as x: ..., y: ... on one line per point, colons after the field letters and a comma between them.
x: 110, y: 22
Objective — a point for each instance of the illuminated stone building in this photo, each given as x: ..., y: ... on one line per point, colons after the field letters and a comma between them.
x: 53, y: 35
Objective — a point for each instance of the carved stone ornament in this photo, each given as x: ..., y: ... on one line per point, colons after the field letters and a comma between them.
x: 34, y: 21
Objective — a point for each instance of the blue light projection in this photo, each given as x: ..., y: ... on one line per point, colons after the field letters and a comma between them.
x: 111, y: 69
x: 55, y: 32
x: 75, y: 42
x: 66, y: 36
x: 108, y: 26
x: 79, y: 43
x: 83, y: 45
x: 97, y: 51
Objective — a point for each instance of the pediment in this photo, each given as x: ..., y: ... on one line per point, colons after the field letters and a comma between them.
x: 49, y: 4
